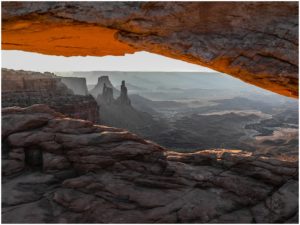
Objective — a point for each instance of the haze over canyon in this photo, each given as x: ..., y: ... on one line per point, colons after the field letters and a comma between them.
x: 195, y: 117
x: 114, y: 146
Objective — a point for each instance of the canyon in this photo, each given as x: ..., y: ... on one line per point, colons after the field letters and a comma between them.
x: 59, y: 169
x: 256, y: 42
x: 62, y: 170
x: 187, y: 111
x: 118, y: 112
x: 61, y: 164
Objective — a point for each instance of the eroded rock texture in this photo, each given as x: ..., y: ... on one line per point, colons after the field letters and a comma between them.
x: 25, y: 88
x: 253, y: 41
x: 58, y: 169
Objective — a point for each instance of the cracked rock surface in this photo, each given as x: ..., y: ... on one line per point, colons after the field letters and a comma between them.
x: 256, y: 42
x: 62, y: 170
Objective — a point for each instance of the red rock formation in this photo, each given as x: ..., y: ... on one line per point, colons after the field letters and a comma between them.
x: 256, y: 42
x: 24, y: 88
x: 63, y: 170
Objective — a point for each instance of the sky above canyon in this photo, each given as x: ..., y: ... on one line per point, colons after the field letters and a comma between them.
x: 140, y: 61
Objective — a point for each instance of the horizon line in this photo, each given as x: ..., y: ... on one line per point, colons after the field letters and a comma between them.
x: 144, y: 71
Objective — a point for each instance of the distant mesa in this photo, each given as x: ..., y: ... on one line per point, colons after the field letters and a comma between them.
x: 26, y: 88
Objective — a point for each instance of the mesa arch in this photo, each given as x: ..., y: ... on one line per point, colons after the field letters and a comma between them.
x: 256, y: 42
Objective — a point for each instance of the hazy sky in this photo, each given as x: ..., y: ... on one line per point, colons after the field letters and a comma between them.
x: 140, y: 61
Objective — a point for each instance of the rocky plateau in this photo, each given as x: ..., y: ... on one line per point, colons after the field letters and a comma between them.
x: 57, y: 169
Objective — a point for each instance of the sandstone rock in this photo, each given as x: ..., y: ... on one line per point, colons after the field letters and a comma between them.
x: 17, y: 119
x: 30, y: 138
x: 256, y: 42
x: 34, y: 109
x: 25, y: 88
x: 250, y: 189
x: 74, y: 200
x: 77, y: 172
x: 15, y: 81
x: 26, y: 188
x: 32, y: 212
x: 279, y: 205
x: 15, y: 123
x: 15, y: 163
x: 70, y: 126
x: 53, y: 162
x: 239, y: 216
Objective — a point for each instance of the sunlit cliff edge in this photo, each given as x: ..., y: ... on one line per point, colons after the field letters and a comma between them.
x: 256, y: 42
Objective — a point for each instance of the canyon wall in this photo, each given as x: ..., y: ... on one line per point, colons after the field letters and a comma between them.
x: 256, y: 42
x: 62, y: 170
x: 25, y: 88
x: 15, y: 81
x: 76, y: 84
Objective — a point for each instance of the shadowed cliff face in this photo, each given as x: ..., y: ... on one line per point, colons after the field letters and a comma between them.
x: 255, y: 42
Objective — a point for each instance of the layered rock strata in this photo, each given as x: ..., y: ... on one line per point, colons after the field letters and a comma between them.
x: 24, y: 88
x: 62, y: 170
x: 256, y: 42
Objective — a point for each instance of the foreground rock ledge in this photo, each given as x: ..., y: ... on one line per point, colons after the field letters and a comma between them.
x: 256, y: 42
x: 62, y: 170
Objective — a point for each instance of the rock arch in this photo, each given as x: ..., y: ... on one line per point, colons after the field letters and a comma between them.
x: 256, y: 42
